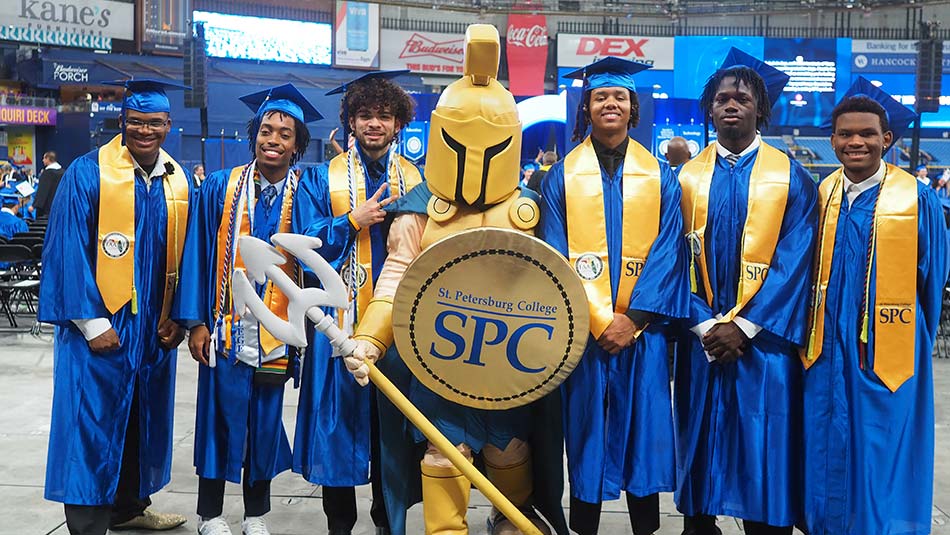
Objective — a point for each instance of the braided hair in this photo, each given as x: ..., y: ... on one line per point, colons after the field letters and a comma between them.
x: 301, y: 132
x: 752, y: 80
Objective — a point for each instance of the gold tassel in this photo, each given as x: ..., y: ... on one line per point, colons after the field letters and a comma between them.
x: 135, y: 301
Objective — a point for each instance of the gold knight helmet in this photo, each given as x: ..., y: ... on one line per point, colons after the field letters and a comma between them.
x: 474, y: 150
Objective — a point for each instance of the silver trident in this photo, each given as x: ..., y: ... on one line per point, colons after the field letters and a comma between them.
x: 263, y: 261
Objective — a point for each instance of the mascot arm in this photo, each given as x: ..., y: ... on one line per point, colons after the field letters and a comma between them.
x: 405, y: 244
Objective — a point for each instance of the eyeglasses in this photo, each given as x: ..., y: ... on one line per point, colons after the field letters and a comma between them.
x: 154, y: 124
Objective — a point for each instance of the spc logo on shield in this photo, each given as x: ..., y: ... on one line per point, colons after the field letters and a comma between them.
x: 490, y: 318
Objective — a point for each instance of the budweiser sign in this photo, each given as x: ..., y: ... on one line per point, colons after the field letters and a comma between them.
x: 419, y: 45
x: 422, y: 52
x: 527, y: 48
x: 530, y: 37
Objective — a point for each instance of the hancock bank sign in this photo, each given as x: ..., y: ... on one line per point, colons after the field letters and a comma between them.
x: 83, y: 23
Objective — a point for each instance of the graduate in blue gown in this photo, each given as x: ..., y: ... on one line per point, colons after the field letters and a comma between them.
x: 113, y: 228
x: 869, y: 439
x: 10, y: 221
x: 737, y: 395
x: 336, y: 424
x: 618, y: 423
x: 242, y: 368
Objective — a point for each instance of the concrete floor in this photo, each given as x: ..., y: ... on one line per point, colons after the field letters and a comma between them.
x: 26, y: 394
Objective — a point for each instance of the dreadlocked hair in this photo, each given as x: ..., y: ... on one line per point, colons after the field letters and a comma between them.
x: 752, y: 80
x: 582, y: 120
x: 860, y: 103
x: 378, y: 94
x: 302, y: 135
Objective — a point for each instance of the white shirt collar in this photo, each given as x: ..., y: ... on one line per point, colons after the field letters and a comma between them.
x: 8, y: 211
x: 723, y: 151
x: 55, y: 165
x: 157, y: 171
x: 853, y: 189
x: 278, y: 185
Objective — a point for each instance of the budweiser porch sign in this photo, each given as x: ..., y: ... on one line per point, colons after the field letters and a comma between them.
x: 422, y: 52
x: 527, y: 48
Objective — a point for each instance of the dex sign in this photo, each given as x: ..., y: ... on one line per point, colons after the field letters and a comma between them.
x: 580, y: 50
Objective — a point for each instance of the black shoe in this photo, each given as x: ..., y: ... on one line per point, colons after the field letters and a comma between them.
x: 382, y: 531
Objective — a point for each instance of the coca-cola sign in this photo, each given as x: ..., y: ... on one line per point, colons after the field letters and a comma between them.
x: 536, y: 35
x: 527, y: 48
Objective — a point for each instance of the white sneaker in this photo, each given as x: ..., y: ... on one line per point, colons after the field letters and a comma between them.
x: 215, y: 526
x: 254, y: 525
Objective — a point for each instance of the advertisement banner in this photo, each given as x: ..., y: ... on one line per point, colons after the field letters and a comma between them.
x: 415, y: 138
x: 20, y: 146
x: 357, y: 35
x: 27, y: 115
x: 575, y: 50
x: 662, y: 134
x: 870, y: 56
x: 527, y: 49
x: 80, y: 23
x: 423, y: 52
x: 166, y: 23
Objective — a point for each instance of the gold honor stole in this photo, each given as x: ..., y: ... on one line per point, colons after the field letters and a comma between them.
x: 587, y: 227
x: 348, y: 190
x: 894, y: 248
x: 275, y: 300
x: 115, y: 260
x: 768, y: 194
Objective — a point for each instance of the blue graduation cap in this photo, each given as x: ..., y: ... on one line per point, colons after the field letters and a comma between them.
x: 283, y: 98
x: 374, y: 75
x: 899, y: 117
x: 9, y: 196
x: 775, y: 80
x: 609, y: 72
x: 146, y: 95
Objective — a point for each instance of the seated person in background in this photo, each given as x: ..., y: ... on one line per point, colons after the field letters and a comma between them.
x: 10, y: 221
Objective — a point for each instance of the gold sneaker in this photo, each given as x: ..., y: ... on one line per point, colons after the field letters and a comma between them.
x: 152, y: 521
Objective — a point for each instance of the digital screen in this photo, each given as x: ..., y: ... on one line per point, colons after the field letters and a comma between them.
x: 698, y: 57
x: 290, y: 41
x: 809, y: 96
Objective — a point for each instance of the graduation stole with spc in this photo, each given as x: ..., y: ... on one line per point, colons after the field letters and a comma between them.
x: 115, y: 260
x: 587, y: 227
x: 768, y: 194
x: 893, y: 247
x: 347, y: 191
x: 229, y: 258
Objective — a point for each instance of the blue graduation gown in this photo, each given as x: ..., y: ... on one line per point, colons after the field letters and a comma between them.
x: 238, y: 423
x: 869, y: 452
x: 92, y: 392
x: 618, y: 424
x: 332, y: 438
x: 738, y: 426
x: 10, y: 225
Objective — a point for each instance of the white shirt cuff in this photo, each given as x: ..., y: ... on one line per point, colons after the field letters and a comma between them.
x: 750, y: 329
x: 92, y: 328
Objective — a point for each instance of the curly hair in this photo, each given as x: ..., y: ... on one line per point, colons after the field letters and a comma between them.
x: 860, y: 103
x: 752, y: 80
x: 377, y: 93
x: 583, y: 115
x: 301, y: 133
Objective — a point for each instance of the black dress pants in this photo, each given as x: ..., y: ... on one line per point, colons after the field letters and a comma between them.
x: 211, y: 497
x: 339, y: 503
x: 644, y: 515
x: 96, y: 519
x: 706, y: 525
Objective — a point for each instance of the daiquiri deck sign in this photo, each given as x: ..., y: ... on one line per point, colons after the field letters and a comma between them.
x: 490, y: 318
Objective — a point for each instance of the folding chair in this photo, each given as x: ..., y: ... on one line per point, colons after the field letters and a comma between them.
x: 16, y: 290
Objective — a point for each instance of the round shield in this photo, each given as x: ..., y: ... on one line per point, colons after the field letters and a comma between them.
x: 490, y: 318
